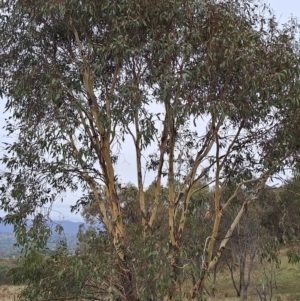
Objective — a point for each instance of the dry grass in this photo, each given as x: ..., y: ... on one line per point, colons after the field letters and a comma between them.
x: 279, y: 297
x: 9, y: 292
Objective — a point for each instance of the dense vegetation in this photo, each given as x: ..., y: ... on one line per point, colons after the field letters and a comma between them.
x: 207, y: 94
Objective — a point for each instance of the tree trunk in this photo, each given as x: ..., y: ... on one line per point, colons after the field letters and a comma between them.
x: 244, y: 293
x: 126, y: 280
x: 174, y: 272
x: 242, y: 275
x: 213, y: 291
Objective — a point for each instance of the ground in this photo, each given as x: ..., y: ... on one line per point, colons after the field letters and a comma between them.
x: 9, y: 293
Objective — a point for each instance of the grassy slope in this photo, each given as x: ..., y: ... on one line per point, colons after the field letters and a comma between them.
x: 287, y: 281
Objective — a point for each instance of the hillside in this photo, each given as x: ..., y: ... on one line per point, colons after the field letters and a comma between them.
x: 69, y: 226
x: 7, y: 238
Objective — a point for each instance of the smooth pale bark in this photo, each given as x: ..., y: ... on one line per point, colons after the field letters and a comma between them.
x: 139, y: 168
x: 198, y: 287
x: 200, y: 283
x: 102, y: 147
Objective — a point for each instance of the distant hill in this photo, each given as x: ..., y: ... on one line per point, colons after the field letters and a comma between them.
x: 6, y: 228
x: 69, y: 227
x: 7, y: 237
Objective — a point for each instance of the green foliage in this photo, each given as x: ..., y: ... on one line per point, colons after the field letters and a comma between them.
x: 84, y: 78
x: 281, y: 211
x: 293, y: 257
x: 71, y: 275
x: 5, y: 266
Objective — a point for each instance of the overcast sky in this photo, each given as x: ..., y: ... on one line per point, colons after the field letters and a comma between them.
x: 283, y: 10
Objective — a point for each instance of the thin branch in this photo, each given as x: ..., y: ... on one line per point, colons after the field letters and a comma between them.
x: 232, y: 143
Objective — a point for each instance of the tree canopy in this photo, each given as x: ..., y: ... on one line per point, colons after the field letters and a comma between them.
x: 207, y: 92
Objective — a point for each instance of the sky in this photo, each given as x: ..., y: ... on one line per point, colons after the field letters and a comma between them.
x: 283, y: 9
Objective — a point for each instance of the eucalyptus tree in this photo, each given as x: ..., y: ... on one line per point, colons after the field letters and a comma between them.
x: 210, y: 86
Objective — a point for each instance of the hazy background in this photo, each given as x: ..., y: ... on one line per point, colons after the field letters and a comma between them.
x: 126, y: 167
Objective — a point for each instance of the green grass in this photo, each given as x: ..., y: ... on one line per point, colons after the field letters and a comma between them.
x: 287, y: 282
